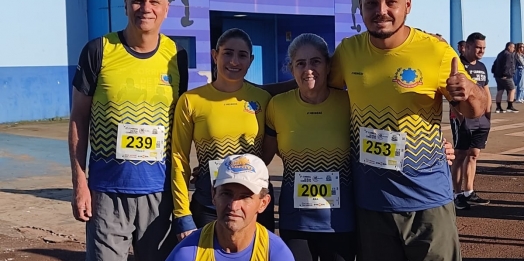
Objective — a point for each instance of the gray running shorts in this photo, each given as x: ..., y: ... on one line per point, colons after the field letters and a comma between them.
x: 120, y: 221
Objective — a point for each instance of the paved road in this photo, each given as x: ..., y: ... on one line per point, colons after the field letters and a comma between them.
x: 22, y: 156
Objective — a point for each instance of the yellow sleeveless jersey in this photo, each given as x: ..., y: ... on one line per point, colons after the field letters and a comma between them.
x: 206, y: 250
x: 220, y: 124
x: 396, y: 98
x: 313, y: 139
x: 134, y: 95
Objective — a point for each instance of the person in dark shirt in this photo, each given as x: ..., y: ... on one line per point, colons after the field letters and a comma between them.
x: 470, y: 135
x: 461, y: 47
x: 503, y: 70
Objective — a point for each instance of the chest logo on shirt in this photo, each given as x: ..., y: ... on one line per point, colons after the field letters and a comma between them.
x: 165, y: 79
x: 252, y: 107
x: 408, y: 78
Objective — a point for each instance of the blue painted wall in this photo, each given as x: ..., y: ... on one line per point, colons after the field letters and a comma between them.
x: 98, y: 18
x: 34, y: 92
x: 35, y: 73
x: 264, y: 38
x: 321, y: 25
x: 255, y: 74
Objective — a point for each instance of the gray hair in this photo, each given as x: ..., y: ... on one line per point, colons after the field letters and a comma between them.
x: 302, y: 40
x: 263, y: 192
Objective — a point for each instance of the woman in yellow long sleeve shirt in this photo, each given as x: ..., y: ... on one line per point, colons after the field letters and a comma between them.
x: 222, y: 118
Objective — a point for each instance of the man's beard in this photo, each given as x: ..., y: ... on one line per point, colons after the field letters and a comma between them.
x: 386, y: 35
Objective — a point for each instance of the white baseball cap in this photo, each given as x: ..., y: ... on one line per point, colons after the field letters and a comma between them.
x: 246, y: 169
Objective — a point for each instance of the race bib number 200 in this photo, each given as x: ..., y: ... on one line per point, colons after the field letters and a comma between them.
x: 382, y: 149
x: 317, y: 190
x: 140, y: 142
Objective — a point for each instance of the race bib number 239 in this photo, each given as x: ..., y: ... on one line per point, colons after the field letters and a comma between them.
x: 140, y: 142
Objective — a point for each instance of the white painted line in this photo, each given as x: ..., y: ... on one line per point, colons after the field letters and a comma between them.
x: 507, y: 127
x: 517, y: 134
x: 513, y: 151
x: 448, y: 127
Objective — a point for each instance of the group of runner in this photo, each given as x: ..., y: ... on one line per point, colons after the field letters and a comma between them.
x: 365, y: 167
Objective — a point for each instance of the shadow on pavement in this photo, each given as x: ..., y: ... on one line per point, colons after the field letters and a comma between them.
x: 499, y: 192
x: 491, y: 240
x: 491, y: 259
x: 515, y: 155
x: 504, y: 168
x: 494, y: 212
x: 63, y: 194
x: 61, y: 254
x: 506, y: 202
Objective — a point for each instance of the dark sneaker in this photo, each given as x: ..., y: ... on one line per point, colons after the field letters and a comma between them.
x: 461, y: 202
x: 512, y: 110
x: 499, y: 110
x: 474, y: 199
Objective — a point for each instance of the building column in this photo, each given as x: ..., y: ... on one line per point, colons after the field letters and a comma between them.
x: 97, y: 18
x: 455, y: 7
x: 515, y: 21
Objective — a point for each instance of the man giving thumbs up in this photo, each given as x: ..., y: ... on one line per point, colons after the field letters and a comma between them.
x: 464, y: 94
x: 396, y: 78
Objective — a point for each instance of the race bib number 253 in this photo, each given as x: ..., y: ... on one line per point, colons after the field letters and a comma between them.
x: 382, y: 149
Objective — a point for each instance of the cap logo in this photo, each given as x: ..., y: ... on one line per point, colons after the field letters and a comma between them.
x: 240, y: 164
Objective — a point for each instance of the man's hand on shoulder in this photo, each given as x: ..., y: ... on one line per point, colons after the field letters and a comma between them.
x: 438, y: 36
x: 184, y: 234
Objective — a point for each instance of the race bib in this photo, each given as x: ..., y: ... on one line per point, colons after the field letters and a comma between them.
x: 140, y: 142
x: 317, y: 190
x: 382, y: 149
x: 213, y: 169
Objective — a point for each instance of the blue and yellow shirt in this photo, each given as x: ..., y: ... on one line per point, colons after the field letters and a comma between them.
x: 313, y: 139
x: 137, y: 91
x: 220, y: 124
x: 397, y: 96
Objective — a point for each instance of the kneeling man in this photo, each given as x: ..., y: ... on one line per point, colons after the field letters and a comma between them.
x: 240, y: 193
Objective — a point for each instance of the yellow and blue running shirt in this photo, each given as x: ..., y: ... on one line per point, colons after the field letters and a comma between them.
x: 133, y: 95
x: 313, y: 140
x: 396, y: 97
x: 220, y: 124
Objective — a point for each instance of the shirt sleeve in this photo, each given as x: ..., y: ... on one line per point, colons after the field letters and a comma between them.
x: 445, y: 70
x: 183, y: 69
x: 181, y: 138
x: 270, y: 119
x: 278, y: 250
x: 186, y: 249
x: 88, y: 68
x: 336, y: 74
